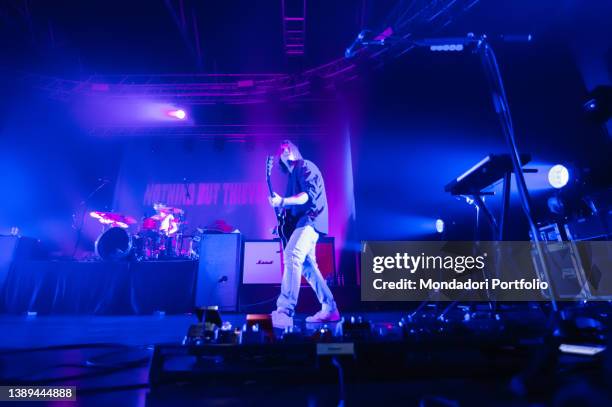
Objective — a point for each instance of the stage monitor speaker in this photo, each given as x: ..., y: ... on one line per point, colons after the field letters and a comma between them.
x: 219, y: 271
x: 589, y: 228
x: 589, y: 237
x: 8, y: 249
x: 14, y: 249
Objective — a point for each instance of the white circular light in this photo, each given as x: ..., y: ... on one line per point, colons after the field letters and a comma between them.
x: 439, y: 226
x: 558, y: 176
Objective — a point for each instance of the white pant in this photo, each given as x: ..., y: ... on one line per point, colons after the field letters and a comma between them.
x: 299, y: 258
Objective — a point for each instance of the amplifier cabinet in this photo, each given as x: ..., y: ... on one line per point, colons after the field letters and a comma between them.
x: 263, y: 261
x: 219, y: 270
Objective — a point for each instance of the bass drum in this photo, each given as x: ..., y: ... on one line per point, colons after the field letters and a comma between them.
x: 114, y: 244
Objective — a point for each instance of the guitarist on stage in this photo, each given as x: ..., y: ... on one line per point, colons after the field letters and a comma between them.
x: 306, y: 204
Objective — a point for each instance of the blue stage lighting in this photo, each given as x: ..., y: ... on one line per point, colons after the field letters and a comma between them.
x: 558, y: 176
x: 439, y: 226
x: 446, y: 47
x: 590, y: 105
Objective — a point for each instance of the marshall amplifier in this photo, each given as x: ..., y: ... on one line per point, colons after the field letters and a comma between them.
x: 263, y: 261
x: 262, y: 273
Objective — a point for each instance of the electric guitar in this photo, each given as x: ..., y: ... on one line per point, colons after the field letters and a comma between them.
x: 286, y: 225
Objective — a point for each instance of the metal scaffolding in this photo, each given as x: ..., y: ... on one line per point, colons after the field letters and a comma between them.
x: 294, y: 27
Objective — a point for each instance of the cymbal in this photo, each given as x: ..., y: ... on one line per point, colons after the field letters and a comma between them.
x: 110, y: 218
x: 157, y: 218
x: 168, y: 209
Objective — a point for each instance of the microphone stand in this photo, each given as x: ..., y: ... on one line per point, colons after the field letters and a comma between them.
x: 83, y: 204
x: 547, y: 354
x: 483, y: 49
x: 502, y: 109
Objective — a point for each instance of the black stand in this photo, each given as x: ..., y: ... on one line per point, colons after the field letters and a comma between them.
x: 83, y: 208
x: 502, y: 109
x: 497, y: 227
x: 500, y: 103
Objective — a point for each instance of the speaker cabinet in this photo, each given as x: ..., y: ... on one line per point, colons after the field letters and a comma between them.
x: 263, y: 261
x: 219, y: 271
x: 326, y: 260
x: 8, y: 249
x: 15, y: 249
x: 563, y: 266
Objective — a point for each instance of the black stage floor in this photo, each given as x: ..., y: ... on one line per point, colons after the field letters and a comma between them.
x: 108, y: 358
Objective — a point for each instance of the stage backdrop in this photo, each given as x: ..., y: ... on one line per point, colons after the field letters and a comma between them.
x: 213, y: 180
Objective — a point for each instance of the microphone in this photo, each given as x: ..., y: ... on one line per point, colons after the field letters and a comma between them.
x: 516, y: 37
x: 361, y: 41
x: 352, y: 49
x: 373, y: 42
x: 187, y: 194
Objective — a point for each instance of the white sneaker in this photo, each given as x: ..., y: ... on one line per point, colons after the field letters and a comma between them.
x: 281, y: 320
x: 324, y: 316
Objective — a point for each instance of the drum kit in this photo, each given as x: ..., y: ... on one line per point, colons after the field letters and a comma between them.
x: 160, y: 237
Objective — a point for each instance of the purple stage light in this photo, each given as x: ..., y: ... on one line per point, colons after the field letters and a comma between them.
x: 178, y: 113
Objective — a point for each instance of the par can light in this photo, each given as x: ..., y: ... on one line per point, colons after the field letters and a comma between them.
x: 558, y: 176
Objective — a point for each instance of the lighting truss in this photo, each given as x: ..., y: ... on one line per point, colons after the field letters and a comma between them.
x: 407, y: 20
x: 418, y: 18
x: 229, y: 132
x: 294, y: 27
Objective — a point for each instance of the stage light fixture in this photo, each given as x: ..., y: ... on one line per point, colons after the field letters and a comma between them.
x: 556, y: 205
x: 446, y: 47
x: 179, y: 114
x: 599, y: 103
x: 558, y: 176
x: 590, y: 105
x: 439, y: 225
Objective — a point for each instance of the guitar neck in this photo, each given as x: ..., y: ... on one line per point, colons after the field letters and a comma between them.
x: 277, y: 211
x: 270, y: 190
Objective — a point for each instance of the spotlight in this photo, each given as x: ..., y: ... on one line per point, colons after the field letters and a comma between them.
x: 179, y: 114
x: 558, y: 176
x: 439, y: 226
x: 556, y: 205
x: 599, y: 103
x: 590, y: 105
